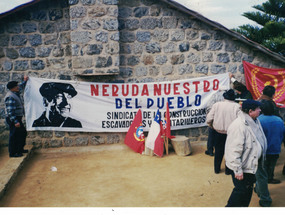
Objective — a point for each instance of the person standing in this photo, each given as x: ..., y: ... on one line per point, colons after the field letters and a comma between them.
x: 14, y: 114
x: 245, y: 145
x: 267, y: 94
x: 217, y: 97
x: 241, y: 90
x: 219, y: 118
x: 273, y: 128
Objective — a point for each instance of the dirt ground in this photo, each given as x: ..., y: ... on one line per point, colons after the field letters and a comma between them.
x: 115, y: 176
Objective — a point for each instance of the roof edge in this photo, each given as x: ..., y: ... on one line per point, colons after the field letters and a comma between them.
x: 190, y: 12
x: 20, y: 7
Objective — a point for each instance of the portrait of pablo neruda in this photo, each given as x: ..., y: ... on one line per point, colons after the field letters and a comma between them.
x: 57, y: 102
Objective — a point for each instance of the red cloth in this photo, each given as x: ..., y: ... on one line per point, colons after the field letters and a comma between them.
x: 158, y: 146
x: 258, y: 77
x: 135, y: 137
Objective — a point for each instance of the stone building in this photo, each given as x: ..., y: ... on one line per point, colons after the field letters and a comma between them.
x: 117, y: 41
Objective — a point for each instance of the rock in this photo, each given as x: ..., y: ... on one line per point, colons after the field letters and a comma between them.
x: 181, y: 145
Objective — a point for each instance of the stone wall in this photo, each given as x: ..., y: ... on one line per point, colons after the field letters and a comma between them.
x: 130, y: 40
x: 60, y: 39
x: 94, y: 36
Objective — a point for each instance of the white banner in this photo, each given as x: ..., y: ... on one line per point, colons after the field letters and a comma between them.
x: 110, y: 107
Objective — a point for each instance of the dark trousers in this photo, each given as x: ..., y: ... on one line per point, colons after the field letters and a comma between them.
x: 242, y: 192
x: 211, y: 140
x: 17, y: 137
x: 220, y: 141
x: 269, y: 164
x: 261, y: 185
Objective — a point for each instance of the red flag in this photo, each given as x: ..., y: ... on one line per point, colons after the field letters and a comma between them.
x: 135, y: 137
x: 167, y: 130
x: 258, y: 77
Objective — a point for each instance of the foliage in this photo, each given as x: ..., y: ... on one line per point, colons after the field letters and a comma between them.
x: 270, y: 31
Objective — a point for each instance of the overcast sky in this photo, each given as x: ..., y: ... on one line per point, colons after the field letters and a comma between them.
x: 6, y: 5
x: 225, y: 12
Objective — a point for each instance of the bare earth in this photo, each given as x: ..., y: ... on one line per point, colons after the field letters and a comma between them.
x: 115, y: 176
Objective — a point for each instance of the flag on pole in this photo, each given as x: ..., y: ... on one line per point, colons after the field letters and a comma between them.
x: 135, y: 137
x: 258, y: 77
x: 154, y: 140
x: 167, y: 130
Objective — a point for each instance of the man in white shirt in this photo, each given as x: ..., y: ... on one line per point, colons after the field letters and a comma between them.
x: 219, y: 118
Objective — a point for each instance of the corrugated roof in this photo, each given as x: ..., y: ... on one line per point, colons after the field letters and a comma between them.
x: 198, y: 16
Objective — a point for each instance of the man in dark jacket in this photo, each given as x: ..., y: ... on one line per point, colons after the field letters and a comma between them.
x: 14, y: 114
x: 241, y: 91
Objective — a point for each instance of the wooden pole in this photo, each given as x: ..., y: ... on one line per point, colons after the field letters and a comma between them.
x: 166, y: 144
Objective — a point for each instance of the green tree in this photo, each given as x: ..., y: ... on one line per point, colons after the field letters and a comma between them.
x: 270, y: 31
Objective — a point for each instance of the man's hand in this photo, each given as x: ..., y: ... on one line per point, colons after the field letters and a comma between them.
x: 231, y: 75
x: 17, y: 125
x: 239, y: 176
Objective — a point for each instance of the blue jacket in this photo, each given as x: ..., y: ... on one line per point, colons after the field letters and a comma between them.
x: 273, y: 128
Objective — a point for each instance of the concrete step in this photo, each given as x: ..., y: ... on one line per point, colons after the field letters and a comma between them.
x: 11, y: 168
